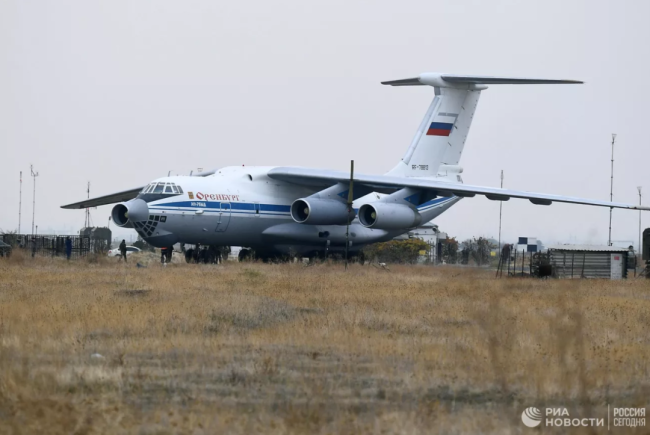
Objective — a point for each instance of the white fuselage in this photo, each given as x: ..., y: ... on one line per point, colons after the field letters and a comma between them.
x: 242, y: 206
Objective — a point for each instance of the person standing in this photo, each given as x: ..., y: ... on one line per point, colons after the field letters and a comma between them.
x: 163, y: 254
x: 123, y: 249
x: 68, y: 247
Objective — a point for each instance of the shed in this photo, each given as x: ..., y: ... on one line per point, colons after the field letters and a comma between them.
x: 588, y: 261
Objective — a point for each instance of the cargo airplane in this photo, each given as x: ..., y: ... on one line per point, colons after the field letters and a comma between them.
x: 282, y: 210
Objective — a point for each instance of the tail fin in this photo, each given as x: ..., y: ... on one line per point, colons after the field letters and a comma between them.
x: 441, y: 137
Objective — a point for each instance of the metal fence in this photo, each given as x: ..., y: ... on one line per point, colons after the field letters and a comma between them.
x: 49, y: 245
x: 585, y: 264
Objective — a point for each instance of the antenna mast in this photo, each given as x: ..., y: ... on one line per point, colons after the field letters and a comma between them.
x: 611, y: 191
x: 34, y: 175
x: 639, y: 247
x: 500, y: 211
x: 87, y: 221
x: 20, y: 201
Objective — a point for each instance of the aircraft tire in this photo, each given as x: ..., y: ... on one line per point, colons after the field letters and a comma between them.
x: 244, y: 255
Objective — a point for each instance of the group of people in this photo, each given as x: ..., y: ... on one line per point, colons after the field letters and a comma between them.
x: 165, y: 253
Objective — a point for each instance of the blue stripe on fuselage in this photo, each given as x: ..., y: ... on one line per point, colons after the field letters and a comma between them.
x: 245, y: 206
x: 264, y: 208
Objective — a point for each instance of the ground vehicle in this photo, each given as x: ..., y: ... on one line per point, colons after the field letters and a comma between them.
x: 5, y: 249
x: 129, y: 250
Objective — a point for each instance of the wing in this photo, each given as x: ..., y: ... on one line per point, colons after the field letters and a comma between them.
x: 324, y: 178
x: 125, y: 195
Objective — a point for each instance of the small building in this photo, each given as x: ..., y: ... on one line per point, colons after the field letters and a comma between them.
x: 588, y: 261
x: 431, y: 235
x: 100, y: 238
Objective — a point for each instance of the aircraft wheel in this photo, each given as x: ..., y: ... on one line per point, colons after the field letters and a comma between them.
x: 244, y: 255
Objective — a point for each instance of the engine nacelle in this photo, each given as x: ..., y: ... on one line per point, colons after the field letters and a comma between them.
x: 385, y: 216
x: 312, y: 211
x: 125, y: 213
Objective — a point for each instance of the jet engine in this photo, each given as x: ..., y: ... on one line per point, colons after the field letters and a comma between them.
x: 126, y: 213
x: 313, y: 211
x: 384, y: 216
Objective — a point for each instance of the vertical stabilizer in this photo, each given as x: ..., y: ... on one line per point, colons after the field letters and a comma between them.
x: 441, y: 137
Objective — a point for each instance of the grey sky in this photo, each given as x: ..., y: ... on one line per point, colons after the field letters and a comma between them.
x: 121, y: 92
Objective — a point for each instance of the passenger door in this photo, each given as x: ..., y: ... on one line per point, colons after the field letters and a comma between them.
x: 224, y: 217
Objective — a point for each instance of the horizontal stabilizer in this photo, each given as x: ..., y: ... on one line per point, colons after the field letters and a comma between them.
x: 450, y: 80
x: 486, y: 80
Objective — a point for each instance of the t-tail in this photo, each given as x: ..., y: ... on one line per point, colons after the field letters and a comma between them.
x: 438, y: 144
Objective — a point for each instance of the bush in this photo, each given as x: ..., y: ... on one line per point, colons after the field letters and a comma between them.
x: 396, y: 251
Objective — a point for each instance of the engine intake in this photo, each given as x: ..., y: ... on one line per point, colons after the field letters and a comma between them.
x: 126, y: 213
x: 313, y: 211
x: 384, y: 216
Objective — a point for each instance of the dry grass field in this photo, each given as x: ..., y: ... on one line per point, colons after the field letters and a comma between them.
x: 258, y: 348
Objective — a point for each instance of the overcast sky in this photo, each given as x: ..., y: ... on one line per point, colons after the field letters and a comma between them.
x: 121, y: 92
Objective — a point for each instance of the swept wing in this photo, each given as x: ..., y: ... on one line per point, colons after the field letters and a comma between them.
x: 325, y: 178
x: 124, y: 195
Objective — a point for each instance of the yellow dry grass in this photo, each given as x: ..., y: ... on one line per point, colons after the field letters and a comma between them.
x: 256, y: 348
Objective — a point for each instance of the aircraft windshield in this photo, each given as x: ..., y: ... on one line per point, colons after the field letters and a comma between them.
x: 162, y: 188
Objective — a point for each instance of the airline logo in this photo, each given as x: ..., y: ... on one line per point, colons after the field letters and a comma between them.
x: 190, y: 194
x: 216, y: 197
x: 439, y: 129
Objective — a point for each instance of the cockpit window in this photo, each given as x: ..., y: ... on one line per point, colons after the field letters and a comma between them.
x: 162, y: 188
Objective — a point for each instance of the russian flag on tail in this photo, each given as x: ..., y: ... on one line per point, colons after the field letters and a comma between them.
x: 439, y: 129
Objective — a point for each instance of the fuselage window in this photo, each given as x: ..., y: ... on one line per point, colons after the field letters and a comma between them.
x: 159, y: 188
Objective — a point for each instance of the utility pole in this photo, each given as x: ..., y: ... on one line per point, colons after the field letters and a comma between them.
x: 20, y: 201
x: 34, y: 175
x: 611, y: 191
x: 87, y: 221
x: 500, y: 211
x: 639, y: 246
